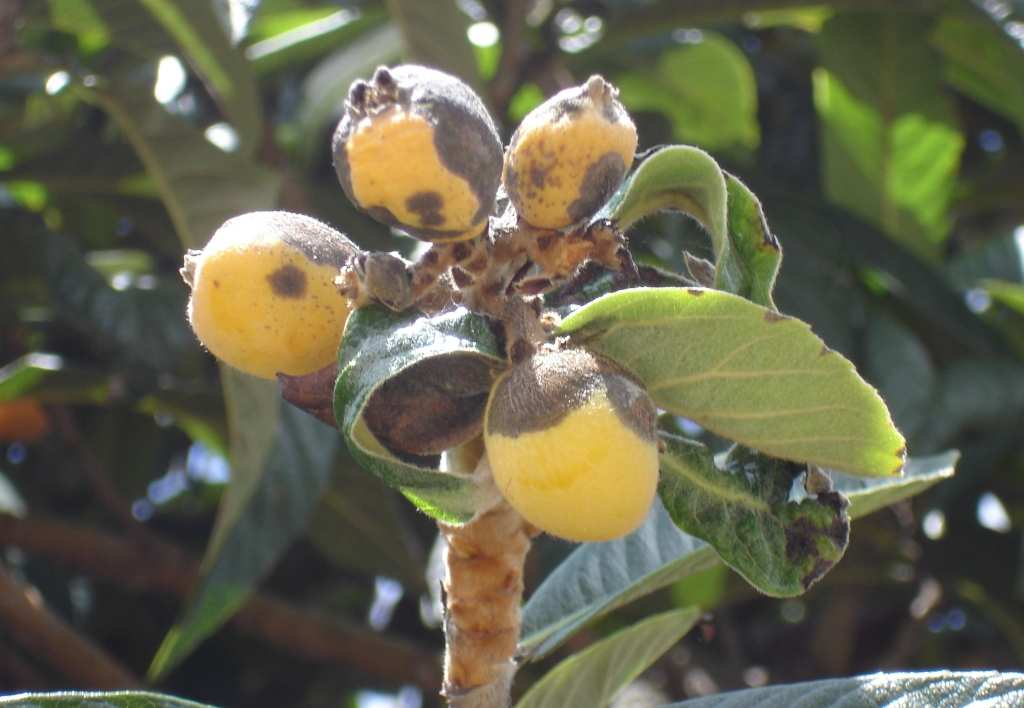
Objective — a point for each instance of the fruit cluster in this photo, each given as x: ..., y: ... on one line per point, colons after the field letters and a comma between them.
x: 417, y: 150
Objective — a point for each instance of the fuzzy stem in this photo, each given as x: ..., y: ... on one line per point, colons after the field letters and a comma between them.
x: 483, y: 592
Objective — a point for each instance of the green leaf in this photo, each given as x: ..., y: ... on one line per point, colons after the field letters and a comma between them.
x: 1009, y: 294
x: 686, y: 179
x: 891, y: 148
x: 827, y: 247
x: 200, y: 185
x: 377, y: 537
x: 706, y: 88
x: 747, y: 255
x: 593, y: 676
x: 281, y: 460
x: 598, y: 578
x: 200, y: 414
x: 139, y: 325
x: 925, y: 688
x: 460, y: 355
x: 86, y: 699
x: 973, y: 394
x: 745, y: 509
x: 293, y: 36
x: 982, y: 61
x: 999, y: 257
x: 755, y: 254
x: 869, y: 495
x: 80, y: 18
x: 746, y: 373
x: 197, y: 30
x: 897, y: 361
x: 48, y: 378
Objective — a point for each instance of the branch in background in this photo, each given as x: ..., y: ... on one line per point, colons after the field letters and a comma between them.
x: 32, y: 626
x: 163, y: 568
x: 16, y: 674
x: 509, y: 74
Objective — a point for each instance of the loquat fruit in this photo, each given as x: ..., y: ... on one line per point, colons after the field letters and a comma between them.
x: 569, y: 155
x: 570, y: 438
x: 263, y: 293
x: 417, y: 149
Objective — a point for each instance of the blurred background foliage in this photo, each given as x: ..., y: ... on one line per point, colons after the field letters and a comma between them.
x: 884, y: 139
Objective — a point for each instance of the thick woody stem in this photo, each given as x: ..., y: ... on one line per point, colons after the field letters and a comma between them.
x: 483, y: 592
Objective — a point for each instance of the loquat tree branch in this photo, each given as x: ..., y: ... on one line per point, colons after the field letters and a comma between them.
x: 27, y: 621
x: 163, y: 568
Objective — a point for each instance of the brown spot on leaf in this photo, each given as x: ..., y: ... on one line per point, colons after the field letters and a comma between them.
x: 773, y: 316
x: 825, y: 351
x: 800, y: 540
x: 696, y: 292
x: 288, y: 281
x: 821, y: 567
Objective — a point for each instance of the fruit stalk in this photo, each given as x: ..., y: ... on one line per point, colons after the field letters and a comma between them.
x: 483, y: 588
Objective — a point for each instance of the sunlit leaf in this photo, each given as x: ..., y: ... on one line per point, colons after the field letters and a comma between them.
x: 754, y: 254
x: 109, y: 699
x: 746, y: 373
x: 926, y: 688
x: 706, y: 88
x: 205, y: 43
x: 201, y: 186
x: 593, y: 676
x: 48, y: 378
x: 984, y: 62
x: 891, y: 148
x: 1009, y: 294
x: 683, y: 178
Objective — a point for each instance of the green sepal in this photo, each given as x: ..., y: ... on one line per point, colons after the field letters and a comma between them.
x: 378, y: 346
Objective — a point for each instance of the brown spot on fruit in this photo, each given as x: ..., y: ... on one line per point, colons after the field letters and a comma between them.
x: 288, y: 281
x: 427, y: 206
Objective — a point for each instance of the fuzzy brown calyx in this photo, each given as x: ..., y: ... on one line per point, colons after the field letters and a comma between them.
x: 538, y: 393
